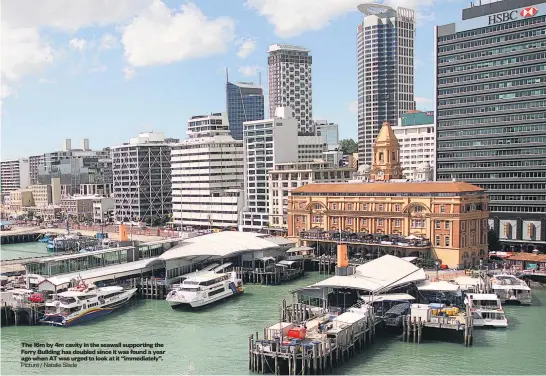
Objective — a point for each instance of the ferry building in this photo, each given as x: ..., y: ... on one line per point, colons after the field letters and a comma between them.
x: 444, y: 221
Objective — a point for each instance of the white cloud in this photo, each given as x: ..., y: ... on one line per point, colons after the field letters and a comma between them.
x: 78, y: 44
x: 46, y: 81
x: 422, y: 101
x: 107, y: 42
x: 5, y: 91
x: 69, y: 14
x: 128, y: 72
x: 246, y: 47
x: 291, y: 18
x: 23, y: 53
x: 161, y: 36
x: 353, y: 107
x: 249, y: 70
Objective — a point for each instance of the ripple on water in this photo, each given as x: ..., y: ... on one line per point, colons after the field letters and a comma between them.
x: 214, y: 340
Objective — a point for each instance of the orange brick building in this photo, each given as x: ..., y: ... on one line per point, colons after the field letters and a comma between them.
x: 445, y: 221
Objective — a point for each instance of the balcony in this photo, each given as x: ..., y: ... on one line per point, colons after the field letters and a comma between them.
x: 397, y: 241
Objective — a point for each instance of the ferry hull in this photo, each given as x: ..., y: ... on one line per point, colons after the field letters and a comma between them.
x: 88, y: 315
x: 204, y: 302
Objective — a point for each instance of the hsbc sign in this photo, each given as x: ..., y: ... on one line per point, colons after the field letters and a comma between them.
x: 512, y: 15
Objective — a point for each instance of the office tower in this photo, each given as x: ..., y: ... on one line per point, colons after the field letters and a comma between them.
x: 207, y: 175
x: 491, y: 113
x: 289, y: 69
x: 385, y: 45
x: 244, y: 102
x: 265, y: 144
x: 141, y: 172
x: 416, y: 135
x: 329, y: 132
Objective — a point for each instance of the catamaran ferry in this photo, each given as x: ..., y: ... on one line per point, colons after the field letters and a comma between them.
x: 487, y: 310
x: 206, y: 288
x: 511, y: 289
x: 85, y: 302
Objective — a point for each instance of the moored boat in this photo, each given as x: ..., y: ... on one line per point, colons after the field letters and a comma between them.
x: 511, y: 290
x: 487, y: 310
x: 204, y: 289
x: 85, y: 302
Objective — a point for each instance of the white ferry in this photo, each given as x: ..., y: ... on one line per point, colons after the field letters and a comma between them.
x: 205, y: 288
x: 511, y: 289
x: 85, y: 302
x: 487, y: 310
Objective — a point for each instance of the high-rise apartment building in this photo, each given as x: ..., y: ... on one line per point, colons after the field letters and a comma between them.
x: 266, y: 143
x: 244, y: 102
x: 14, y: 174
x: 35, y: 161
x: 207, y: 175
x: 490, y: 101
x: 385, y: 49
x: 289, y: 69
x: 141, y: 172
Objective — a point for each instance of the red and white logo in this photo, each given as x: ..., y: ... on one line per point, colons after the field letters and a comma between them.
x: 528, y: 12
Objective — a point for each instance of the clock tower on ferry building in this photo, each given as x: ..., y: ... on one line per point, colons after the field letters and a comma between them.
x: 386, y: 155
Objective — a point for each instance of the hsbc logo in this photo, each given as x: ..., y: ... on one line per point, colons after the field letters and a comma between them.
x: 512, y: 15
x: 528, y: 12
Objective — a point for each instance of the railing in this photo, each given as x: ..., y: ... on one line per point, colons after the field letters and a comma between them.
x: 363, y: 240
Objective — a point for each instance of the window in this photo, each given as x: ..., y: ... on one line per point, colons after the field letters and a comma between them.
x: 349, y: 221
x: 438, y: 225
x: 380, y: 222
x: 349, y: 206
x: 334, y: 221
x: 397, y: 223
x: 380, y: 207
x: 447, y: 225
x: 442, y: 208
x: 397, y: 207
x: 334, y: 206
x: 447, y: 240
x: 438, y: 240
x: 364, y: 207
x: 463, y: 226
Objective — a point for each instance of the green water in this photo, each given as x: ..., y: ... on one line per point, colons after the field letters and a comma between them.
x: 214, y: 340
x: 23, y: 250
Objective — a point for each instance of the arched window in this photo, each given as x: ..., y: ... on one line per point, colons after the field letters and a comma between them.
x: 394, y: 156
x: 484, y: 238
x: 381, y: 156
x: 472, y: 238
x: 463, y: 241
x: 508, y: 230
x: 532, y: 231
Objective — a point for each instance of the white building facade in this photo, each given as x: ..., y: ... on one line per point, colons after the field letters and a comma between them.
x: 288, y: 176
x: 14, y: 174
x: 141, y: 174
x: 310, y: 148
x: 417, y: 138
x: 207, y: 175
x: 266, y: 143
x: 289, y: 72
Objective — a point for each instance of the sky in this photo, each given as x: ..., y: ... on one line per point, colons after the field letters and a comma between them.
x: 106, y: 70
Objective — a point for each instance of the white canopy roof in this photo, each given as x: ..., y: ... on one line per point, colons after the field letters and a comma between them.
x: 220, y: 244
x: 385, y: 272
x: 439, y: 286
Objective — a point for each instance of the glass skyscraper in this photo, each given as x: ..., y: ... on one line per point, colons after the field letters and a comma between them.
x: 385, y: 48
x: 244, y: 102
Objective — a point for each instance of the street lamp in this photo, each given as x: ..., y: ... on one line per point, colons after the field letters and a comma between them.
x: 437, y: 263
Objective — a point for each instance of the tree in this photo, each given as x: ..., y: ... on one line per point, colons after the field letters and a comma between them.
x: 493, y: 241
x: 348, y: 146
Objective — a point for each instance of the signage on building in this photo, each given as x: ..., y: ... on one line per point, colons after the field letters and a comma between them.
x: 502, y: 17
x: 512, y: 15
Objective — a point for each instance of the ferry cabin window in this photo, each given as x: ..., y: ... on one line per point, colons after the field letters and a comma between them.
x: 487, y: 303
x: 217, y: 291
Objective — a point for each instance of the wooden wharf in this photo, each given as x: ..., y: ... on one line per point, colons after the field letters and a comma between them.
x: 322, y: 349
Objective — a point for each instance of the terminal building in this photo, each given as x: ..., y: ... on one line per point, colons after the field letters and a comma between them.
x: 490, y: 99
x: 444, y: 221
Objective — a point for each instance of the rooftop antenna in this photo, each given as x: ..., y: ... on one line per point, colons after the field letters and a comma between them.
x: 227, y: 75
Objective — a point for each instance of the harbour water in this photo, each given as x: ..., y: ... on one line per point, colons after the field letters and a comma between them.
x: 214, y: 340
x: 23, y: 250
